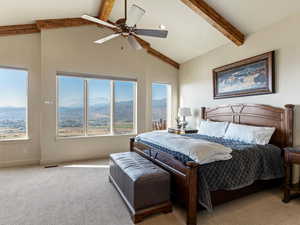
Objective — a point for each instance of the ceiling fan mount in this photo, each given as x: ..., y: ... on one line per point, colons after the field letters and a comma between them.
x: 126, y: 27
x: 121, y: 21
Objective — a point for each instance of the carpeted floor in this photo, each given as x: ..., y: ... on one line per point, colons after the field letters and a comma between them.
x: 80, y: 194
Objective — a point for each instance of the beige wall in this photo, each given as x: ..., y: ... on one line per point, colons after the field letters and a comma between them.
x: 72, y: 50
x: 196, y: 88
x: 23, y: 52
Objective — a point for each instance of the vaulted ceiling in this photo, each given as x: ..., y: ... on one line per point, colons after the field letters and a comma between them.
x: 190, y: 35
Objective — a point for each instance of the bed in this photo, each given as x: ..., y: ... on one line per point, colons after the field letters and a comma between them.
x: 187, y: 187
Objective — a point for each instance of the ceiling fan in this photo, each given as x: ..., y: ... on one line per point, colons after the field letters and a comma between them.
x: 127, y: 27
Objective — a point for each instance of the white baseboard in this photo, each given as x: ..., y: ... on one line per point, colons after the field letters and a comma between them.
x: 54, y: 162
x: 15, y: 163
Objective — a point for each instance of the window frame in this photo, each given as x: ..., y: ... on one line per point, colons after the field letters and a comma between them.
x: 27, y: 136
x: 85, y: 79
x: 169, y: 102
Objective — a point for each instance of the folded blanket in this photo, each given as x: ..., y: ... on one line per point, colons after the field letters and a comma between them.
x: 201, y: 151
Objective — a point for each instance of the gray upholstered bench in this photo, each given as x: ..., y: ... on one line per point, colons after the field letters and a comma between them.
x: 144, y: 187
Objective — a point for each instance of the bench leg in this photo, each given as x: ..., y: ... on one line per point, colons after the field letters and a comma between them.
x: 140, y: 215
x: 169, y: 209
x: 137, y: 219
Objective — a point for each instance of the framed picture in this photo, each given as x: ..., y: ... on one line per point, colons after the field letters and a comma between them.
x: 253, y: 76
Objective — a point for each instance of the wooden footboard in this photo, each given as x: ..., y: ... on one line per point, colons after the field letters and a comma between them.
x: 184, y: 178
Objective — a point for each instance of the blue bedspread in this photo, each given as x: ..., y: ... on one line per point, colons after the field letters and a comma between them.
x: 249, y: 163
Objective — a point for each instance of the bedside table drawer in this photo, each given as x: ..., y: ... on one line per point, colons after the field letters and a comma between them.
x: 292, y: 157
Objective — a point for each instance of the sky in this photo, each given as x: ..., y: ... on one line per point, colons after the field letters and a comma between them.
x: 13, y: 87
x: 71, y: 91
x: 159, y: 91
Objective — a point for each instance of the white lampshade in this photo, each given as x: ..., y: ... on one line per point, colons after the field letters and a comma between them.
x: 184, y: 111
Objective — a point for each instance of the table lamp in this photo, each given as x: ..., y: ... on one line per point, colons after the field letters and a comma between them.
x: 184, y: 112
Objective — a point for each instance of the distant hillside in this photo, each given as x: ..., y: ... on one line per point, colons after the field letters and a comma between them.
x: 12, y: 113
x: 100, y: 112
x: 159, y: 108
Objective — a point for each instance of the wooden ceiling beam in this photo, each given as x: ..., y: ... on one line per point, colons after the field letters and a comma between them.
x: 216, y: 20
x: 106, y: 9
x: 18, y: 29
x: 162, y: 57
x: 146, y: 45
x: 58, y: 23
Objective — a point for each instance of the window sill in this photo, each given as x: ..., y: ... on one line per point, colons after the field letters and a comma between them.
x: 94, y: 137
x: 12, y: 141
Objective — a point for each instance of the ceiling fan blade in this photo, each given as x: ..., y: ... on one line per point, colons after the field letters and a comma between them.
x: 107, y: 38
x: 95, y: 20
x: 152, y: 33
x: 134, y: 43
x: 135, y: 15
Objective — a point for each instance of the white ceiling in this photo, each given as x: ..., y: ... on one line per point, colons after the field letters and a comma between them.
x: 189, y: 35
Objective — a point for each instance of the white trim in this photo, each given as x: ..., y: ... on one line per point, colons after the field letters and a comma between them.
x: 57, y: 106
x: 29, y: 162
x: 135, y: 108
x: 95, y: 136
x: 112, y: 107
x: 26, y: 139
x: 95, y: 76
x: 85, y: 107
x: 169, y: 105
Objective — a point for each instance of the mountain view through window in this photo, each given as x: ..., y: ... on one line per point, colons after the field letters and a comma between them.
x: 87, y: 108
x: 124, y: 107
x: 71, y: 106
x: 13, y: 104
x: 160, y: 100
x: 99, y: 107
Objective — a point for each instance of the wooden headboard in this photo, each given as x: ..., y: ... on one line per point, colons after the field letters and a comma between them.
x: 257, y: 115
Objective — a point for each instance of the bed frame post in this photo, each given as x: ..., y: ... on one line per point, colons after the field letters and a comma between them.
x: 192, y: 195
x: 289, y: 124
x: 132, y: 144
x: 203, y: 109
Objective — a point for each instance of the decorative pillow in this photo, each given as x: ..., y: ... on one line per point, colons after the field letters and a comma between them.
x: 213, y: 129
x: 249, y: 134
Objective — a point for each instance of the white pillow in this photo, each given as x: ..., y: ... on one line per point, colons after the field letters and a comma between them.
x: 249, y: 134
x: 213, y: 129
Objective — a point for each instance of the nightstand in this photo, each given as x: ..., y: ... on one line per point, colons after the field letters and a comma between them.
x: 291, y: 157
x: 179, y: 131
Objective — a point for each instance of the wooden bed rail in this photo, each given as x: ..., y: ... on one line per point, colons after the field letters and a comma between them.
x: 184, y: 177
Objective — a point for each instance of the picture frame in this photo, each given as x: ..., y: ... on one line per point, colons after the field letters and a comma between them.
x: 248, y: 77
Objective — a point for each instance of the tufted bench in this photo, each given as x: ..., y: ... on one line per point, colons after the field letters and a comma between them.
x: 144, y: 187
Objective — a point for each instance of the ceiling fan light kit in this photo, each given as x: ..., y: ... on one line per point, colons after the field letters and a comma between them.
x: 126, y: 27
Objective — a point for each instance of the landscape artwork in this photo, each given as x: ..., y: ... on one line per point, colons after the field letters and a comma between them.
x: 248, y: 77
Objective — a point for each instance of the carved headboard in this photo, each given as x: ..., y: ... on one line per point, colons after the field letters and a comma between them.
x: 257, y: 115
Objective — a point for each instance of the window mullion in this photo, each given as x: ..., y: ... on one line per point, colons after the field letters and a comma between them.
x: 85, y: 106
x: 112, y: 107
x: 135, y: 108
x: 169, y: 106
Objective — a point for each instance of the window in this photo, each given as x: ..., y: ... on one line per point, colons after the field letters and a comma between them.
x: 99, y: 107
x: 71, y: 106
x: 93, y: 107
x: 124, y: 107
x: 161, y: 110
x: 13, y: 104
